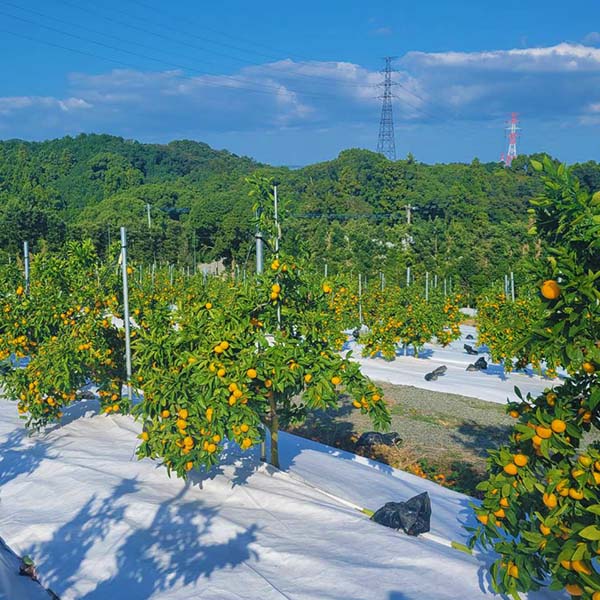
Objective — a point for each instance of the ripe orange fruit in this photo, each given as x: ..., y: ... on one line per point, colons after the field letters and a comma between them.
x: 144, y: 436
x: 504, y: 502
x: 566, y: 564
x: 544, y: 529
x: 20, y: 290
x: 550, y: 500
x: 550, y: 289
x: 165, y: 413
x: 308, y: 378
x: 581, y: 566
x: 575, y: 494
x: 589, y: 367
x: 543, y: 432
x: 246, y: 443
x: 513, y: 571
x: 558, y: 426
x: 585, y: 461
x: 514, y: 414
x: 183, y: 413
x: 211, y: 448
x: 483, y: 519
x: 208, y: 305
x: 574, y: 589
x: 536, y: 440
x: 500, y: 513
x: 520, y: 460
x: 181, y: 424
x: 251, y: 373
x: 225, y: 345
x: 326, y: 288
x: 336, y: 380
x: 511, y: 469
x: 551, y: 398
x: 189, y: 465
x: 244, y: 428
x: 596, y: 596
x: 209, y: 414
x: 221, y: 372
x: 356, y: 404
x: 276, y: 288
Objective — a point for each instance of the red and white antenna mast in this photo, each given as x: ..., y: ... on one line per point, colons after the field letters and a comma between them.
x: 513, y: 133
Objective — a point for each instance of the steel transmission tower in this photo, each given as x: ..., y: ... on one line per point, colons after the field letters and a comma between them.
x: 513, y: 132
x: 386, y: 143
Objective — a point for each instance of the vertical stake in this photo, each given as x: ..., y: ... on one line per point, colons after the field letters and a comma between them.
x: 427, y: 286
x: 26, y: 259
x: 360, y: 313
x: 407, y: 276
x: 126, y: 310
x: 512, y: 286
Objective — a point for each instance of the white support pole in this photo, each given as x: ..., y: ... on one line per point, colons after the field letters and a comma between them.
x: 407, y: 276
x: 360, y: 313
x: 149, y: 217
x: 126, y: 310
x: 512, y: 286
x: 427, y: 286
x: 26, y: 261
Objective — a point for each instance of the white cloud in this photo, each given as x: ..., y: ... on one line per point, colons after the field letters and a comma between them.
x: 13, y: 104
x: 593, y: 38
x: 540, y: 83
x: 382, y: 31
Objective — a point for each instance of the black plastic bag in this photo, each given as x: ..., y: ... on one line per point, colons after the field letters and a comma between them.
x: 374, y: 438
x: 412, y: 516
x: 481, y: 363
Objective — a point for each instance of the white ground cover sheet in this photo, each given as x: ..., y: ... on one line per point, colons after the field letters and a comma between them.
x: 100, y: 524
x: 492, y: 384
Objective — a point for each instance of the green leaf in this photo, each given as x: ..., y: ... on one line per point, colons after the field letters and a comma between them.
x: 592, y: 532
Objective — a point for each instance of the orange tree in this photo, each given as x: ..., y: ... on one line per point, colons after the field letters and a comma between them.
x: 503, y: 324
x: 59, y: 335
x: 403, y: 316
x: 542, y: 499
x: 233, y: 360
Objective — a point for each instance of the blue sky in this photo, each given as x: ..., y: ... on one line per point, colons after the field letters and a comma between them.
x: 294, y: 83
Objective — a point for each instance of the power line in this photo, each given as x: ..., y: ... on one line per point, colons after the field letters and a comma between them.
x: 248, y: 42
x: 194, y: 46
x: 260, y: 88
x: 313, y: 78
x: 238, y: 80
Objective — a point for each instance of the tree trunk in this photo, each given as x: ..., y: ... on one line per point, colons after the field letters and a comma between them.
x: 274, y: 432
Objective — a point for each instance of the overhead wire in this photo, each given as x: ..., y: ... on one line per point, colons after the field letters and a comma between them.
x: 260, y: 88
x: 314, y: 77
x: 241, y: 83
x: 296, y: 74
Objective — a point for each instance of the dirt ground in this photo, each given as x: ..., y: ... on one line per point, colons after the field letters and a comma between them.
x: 445, y: 437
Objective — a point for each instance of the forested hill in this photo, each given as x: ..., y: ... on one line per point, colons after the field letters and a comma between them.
x: 469, y: 220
